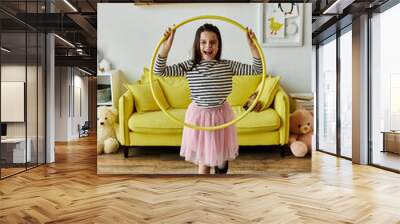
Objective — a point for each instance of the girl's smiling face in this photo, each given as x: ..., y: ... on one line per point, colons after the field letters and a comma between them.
x: 208, y: 45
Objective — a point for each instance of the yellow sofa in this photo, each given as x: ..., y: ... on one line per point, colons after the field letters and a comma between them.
x: 140, y: 124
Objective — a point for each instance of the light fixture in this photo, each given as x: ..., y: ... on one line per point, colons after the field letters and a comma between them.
x: 338, y: 6
x: 5, y: 50
x: 64, y: 40
x: 84, y: 71
x: 80, y: 51
x: 70, y: 5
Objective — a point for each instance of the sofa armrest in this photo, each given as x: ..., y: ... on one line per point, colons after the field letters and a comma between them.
x: 281, y: 106
x: 117, y: 86
x: 126, y: 106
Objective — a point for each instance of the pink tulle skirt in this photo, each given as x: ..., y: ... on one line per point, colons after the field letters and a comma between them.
x: 210, y: 148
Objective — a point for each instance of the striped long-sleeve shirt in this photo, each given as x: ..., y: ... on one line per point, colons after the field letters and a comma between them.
x: 210, y: 82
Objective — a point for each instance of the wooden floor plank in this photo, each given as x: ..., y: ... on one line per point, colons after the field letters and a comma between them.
x: 70, y: 191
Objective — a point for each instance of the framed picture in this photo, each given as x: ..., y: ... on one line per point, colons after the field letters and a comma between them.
x: 281, y: 24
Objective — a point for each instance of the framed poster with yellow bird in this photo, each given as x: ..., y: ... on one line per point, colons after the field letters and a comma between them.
x: 281, y: 24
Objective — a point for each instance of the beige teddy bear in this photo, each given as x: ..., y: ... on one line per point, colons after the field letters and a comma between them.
x: 301, y: 131
x: 106, y: 140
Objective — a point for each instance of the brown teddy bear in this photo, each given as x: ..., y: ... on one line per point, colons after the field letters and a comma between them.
x: 301, y: 131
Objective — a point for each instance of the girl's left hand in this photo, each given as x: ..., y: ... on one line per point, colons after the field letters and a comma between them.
x: 250, y: 35
x: 253, y: 48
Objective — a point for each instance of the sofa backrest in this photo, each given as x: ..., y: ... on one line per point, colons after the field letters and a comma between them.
x: 242, y: 88
x: 176, y: 89
x: 177, y: 92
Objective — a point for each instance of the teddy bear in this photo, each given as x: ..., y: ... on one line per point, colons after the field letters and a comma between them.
x: 250, y: 101
x: 106, y: 140
x: 301, y: 131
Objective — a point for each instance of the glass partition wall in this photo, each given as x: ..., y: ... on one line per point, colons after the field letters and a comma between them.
x: 326, y: 95
x: 346, y: 95
x: 22, y: 77
x: 334, y: 94
x: 385, y: 90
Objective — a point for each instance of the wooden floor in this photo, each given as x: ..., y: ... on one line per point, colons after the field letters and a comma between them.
x: 251, y: 160
x: 387, y: 159
x: 10, y: 171
x: 70, y: 191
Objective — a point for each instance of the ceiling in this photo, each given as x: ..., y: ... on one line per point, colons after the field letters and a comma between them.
x: 76, y: 21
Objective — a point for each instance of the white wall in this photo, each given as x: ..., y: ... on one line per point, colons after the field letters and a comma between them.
x: 67, y: 114
x: 80, y: 109
x: 61, y: 103
x: 84, y: 84
x: 128, y: 34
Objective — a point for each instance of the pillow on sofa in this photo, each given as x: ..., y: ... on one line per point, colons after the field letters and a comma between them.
x: 176, y: 89
x: 271, y: 87
x: 144, y: 100
x: 144, y: 78
x: 242, y: 88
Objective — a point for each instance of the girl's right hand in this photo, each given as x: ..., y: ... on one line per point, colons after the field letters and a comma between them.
x: 169, y: 38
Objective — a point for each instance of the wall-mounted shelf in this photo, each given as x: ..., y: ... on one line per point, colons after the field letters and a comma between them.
x: 105, y: 104
x: 112, y: 80
x: 104, y: 95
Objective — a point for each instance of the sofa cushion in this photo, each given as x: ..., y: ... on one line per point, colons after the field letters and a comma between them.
x: 176, y: 89
x: 270, y: 89
x: 266, y: 120
x: 242, y: 88
x: 144, y: 100
x: 144, y: 78
x: 157, y: 122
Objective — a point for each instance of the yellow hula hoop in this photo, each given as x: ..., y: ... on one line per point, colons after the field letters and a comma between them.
x: 209, y: 128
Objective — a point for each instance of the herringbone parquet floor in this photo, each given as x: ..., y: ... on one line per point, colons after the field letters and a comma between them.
x: 70, y: 191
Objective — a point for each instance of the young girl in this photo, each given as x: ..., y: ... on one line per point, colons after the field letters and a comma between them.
x: 210, y: 82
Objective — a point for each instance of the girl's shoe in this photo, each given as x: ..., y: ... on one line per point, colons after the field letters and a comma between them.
x: 223, y: 170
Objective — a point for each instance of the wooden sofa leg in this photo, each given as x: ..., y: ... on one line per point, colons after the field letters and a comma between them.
x: 283, y: 150
x: 126, y: 151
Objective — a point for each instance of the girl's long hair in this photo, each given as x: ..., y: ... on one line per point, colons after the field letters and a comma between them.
x: 196, y: 57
